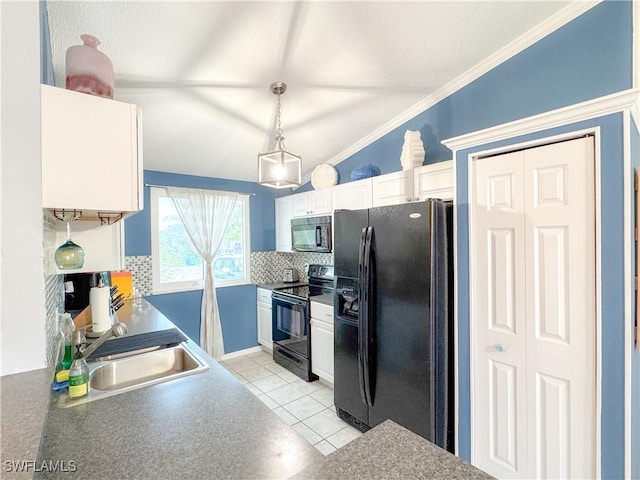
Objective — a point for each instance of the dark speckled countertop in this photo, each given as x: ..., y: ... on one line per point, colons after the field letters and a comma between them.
x: 390, y: 451
x: 201, y: 426
x: 206, y: 425
x: 273, y: 286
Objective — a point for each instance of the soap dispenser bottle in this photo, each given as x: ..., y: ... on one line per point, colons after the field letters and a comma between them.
x: 66, y: 335
x: 78, y: 376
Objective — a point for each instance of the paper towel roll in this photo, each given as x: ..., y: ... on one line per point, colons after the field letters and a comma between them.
x: 100, y: 298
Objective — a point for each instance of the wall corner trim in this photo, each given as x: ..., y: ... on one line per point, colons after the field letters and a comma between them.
x: 561, y: 18
x: 617, y: 102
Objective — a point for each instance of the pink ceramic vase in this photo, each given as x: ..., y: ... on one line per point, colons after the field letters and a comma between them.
x: 89, y: 70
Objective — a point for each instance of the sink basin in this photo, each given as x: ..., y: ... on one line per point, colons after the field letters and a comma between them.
x: 121, y: 375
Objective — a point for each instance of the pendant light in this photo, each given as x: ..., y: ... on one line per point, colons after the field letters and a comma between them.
x: 279, y: 168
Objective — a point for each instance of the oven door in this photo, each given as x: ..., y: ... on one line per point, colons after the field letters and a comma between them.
x: 289, y: 317
x: 290, y: 323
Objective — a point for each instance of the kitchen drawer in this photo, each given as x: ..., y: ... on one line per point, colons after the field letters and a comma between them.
x: 264, y: 295
x: 322, y: 312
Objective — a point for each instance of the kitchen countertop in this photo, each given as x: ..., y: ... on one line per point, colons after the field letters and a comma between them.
x: 206, y: 425
x: 201, y: 426
x: 25, y: 400
x: 326, y: 299
x: 273, y: 286
x: 390, y: 451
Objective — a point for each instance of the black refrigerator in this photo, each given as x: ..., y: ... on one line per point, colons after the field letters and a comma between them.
x: 393, y: 311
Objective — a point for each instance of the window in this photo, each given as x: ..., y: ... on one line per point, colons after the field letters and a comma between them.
x: 175, y: 263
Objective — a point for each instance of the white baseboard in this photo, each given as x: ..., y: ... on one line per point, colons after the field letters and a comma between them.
x: 240, y: 353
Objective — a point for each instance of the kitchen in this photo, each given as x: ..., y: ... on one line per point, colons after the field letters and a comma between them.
x: 620, y: 371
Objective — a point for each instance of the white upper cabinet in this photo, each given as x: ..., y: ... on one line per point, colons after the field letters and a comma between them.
x: 103, y: 247
x: 393, y: 188
x: 284, y: 213
x: 91, y: 153
x: 434, y: 181
x: 353, y: 195
x: 315, y: 202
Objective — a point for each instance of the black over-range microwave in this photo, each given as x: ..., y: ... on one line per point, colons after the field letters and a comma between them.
x: 311, y: 234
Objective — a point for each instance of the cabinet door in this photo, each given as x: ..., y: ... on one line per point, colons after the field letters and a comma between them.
x: 264, y: 325
x: 103, y: 247
x: 91, y: 158
x: 320, y: 202
x: 393, y: 188
x: 322, y: 349
x: 434, y: 181
x: 284, y: 213
x: 300, y: 206
x: 352, y: 195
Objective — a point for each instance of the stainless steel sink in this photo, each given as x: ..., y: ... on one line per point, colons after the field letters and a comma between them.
x: 112, y: 377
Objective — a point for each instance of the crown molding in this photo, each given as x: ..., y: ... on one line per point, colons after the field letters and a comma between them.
x: 564, y: 16
x: 635, y: 112
x: 616, y: 102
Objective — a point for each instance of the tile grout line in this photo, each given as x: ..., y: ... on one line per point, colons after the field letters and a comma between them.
x: 249, y: 363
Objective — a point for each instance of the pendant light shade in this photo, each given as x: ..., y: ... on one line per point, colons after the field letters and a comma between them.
x: 279, y: 168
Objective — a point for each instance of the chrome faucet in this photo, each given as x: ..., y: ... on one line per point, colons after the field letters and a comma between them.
x: 117, y: 330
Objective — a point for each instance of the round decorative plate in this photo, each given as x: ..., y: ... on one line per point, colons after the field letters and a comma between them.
x: 324, y: 176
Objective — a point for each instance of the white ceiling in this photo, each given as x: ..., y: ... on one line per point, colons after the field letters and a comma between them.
x: 201, y: 70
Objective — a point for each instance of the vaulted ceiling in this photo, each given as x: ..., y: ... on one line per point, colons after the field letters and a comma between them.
x: 201, y: 71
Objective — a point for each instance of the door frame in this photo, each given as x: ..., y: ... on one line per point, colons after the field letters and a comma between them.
x: 481, y: 153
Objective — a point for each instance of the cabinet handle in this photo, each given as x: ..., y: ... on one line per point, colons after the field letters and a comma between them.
x: 501, y: 348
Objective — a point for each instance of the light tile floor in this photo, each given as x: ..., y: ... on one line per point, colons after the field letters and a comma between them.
x: 306, y: 406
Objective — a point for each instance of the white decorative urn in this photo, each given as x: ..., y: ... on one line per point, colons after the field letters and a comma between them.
x: 412, y: 150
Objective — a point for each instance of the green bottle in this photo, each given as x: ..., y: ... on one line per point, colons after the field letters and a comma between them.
x: 66, y: 335
x: 78, y: 376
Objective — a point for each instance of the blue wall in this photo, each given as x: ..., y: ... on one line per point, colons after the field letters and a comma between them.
x: 635, y: 355
x: 588, y: 58
x: 237, y: 304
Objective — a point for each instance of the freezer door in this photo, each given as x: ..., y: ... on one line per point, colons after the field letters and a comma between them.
x: 407, y: 329
x: 346, y: 387
x: 347, y: 229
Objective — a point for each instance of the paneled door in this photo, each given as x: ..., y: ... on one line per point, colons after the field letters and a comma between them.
x: 533, y: 312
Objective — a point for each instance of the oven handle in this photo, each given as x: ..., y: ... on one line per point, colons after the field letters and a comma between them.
x: 287, y: 299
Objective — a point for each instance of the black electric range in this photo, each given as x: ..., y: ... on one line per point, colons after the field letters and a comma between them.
x: 291, y: 326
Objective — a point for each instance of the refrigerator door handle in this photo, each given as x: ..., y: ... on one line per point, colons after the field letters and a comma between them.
x: 364, y: 317
x: 369, y: 330
x: 362, y: 312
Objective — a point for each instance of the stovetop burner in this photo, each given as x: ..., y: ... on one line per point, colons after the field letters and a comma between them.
x: 301, y: 291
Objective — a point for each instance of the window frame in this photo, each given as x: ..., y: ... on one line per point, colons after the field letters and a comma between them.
x: 158, y: 288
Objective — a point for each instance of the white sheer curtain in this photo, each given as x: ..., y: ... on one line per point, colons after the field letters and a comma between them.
x: 205, y: 214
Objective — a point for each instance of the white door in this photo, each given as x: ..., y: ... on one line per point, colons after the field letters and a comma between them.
x: 533, y: 312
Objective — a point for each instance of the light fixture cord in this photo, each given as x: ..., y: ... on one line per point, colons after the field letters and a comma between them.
x: 279, y: 130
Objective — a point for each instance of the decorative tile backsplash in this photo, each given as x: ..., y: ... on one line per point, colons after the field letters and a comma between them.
x: 54, y: 299
x: 268, y: 267
x: 141, y: 273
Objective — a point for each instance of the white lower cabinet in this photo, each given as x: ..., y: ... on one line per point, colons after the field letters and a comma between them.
x: 322, y: 341
x: 264, y: 318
